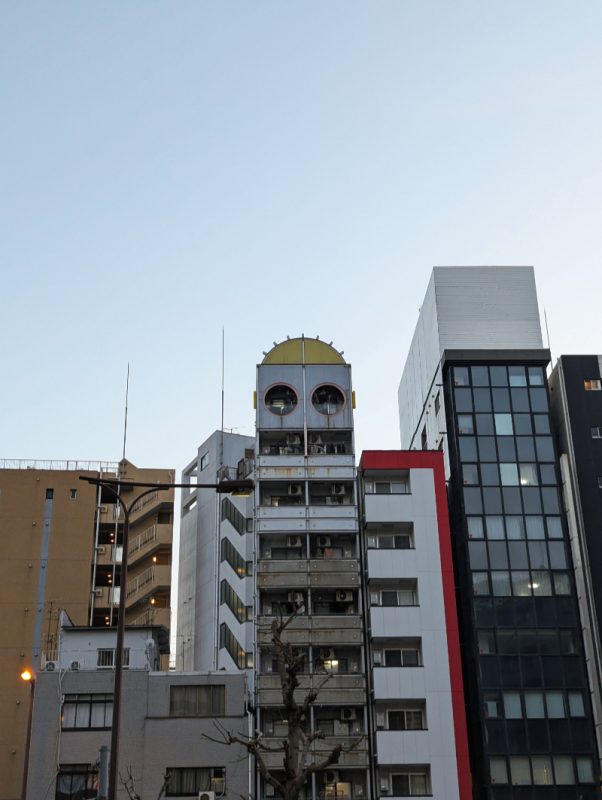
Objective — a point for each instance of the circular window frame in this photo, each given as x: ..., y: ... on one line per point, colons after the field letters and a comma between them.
x: 325, y: 413
x: 274, y: 386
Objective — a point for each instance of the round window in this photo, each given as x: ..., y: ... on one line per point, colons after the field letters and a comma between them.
x: 281, y: 400
x: 328, y: 399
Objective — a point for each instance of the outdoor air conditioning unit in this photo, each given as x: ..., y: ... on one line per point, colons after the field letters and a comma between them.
x: 51, y: 666
x: 384, y: 784
x: 295, y: 597
x: 97, y: 592
x: 267, y: 553
x: 101, y: 550
x: 377, y: 657
x: 293, y: 438
x: 380, y: 719
x: 75, y: 665
x: 327, y: 654
x: 374, y: 598
x: 338, y: 489
x: 323, y: 541
x: 348, y: 714
x: 354, y: 666
x: 344, y: 597
x: 295, y: 489
x: 269, y: 790
x: 293, y: 541
x: 331, y: 776
x: 206, y: 795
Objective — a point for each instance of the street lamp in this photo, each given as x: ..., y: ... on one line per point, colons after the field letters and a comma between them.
x: 28, y: 676
x: 114, y: 486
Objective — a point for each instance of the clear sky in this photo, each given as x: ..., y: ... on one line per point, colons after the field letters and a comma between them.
x: 277, y: 168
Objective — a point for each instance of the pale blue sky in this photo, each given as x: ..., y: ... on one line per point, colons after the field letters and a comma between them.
x: 279, y: 168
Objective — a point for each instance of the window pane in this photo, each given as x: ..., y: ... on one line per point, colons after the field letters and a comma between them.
x: 480, y: 583
x: 539, y: 400
x: 465, y: 424
x: 528, y: 475
x: 480, y: 376
x: 576, y: 706
x: 486, y: 642
x: 512, y: 707
x: 538, y: 555
x: 484, y: 424
x: 475, y: 527
x: 503, y: 424
x: 512, y: 500
x: 542, y: 423
x: 478, y: 555
x: 517, y: 376
x: 468, y: 448
x: 498, y: 770
x: 501, y: 400
x: 525, y: 447
x: 519, y: 769
x: 534, y: 705
x: 517, y: 552
x: 487, y: 450
x: 515, y: 528
x: 522, y: 424
x: 555, y: 705
x: 521, y: 584
x: 461, y: 376
x: 520, y: 400
x: 548, y: 474
x: 531, y: 500
x: 482, y: 400
x: 535, y: 528
x: 545, y: 448
x: 463, y: 400
x: 585, y: 772
x: 490, y: 475
x: 509, y: 474
x: 557, y: 555
x: 562, y: 584
x: 498, y: 555
x: 401, y: 785
x: 541, y: 584
x: 499, y: 376
x: 472, y: 501
x: 551, y: 501
x: 393, y: 658
x: 563, y: 769
x: 500, y: 584
x: 388, y: 598
x: 495, y: 527
x: 554, y: 527
x: 535, y: 376
x: 470, y: 475
x: 492, y: 500
x: 542, y: 770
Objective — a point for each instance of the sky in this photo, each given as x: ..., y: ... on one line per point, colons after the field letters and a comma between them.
x: 274, y: 168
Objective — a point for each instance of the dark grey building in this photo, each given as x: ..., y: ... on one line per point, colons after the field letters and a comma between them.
x: 475, y: 385
x: 576, y: 398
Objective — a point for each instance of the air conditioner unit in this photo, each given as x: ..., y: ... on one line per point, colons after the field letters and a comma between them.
x: 315, y: 438
x: 348, y: 714
x: 331, y: 776
x: 384, y: 784
x: 323, y: 541
x: 295, y: 489
x: 267, y: 553
x: 101, y: 550
x: 338, y: 489
x: 374, y: 598
x: 327, y: 654
x: 354, y: 666
x: 97, y: 592
x: 293, y: 438
x: 344, y: 597
x: 269, y: 790
x: 206, y: 795
x: 295, y: 597
x: 377, y: 657
x: 293, y: 541
x: 380, y: 719
x: 75, y: 665
x: 51, y: 666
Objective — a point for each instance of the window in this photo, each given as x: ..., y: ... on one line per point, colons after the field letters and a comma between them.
x: 228, y: 596
x: 424, y: 439
x: 406, y: 595
x: 49, y: 494
x: 406, y: 719
x: 387, y: 487
x: 204, y: 461
x: 229, y: 641
x: 410, y: 784
x: 105, y: 658
x: 72, y: 494
x: 281, y: 400
x: 503, y: 424
x: 392, y: 541
x: 465, y: 424
x: 437, y: 403
x: 498, y: 770
x: 597, y: 432
x: 189, y: 781
x: 87, y: 711
x: 328, y: 399
x: 407, y: 655
x: 76, y: 782
x: 197, y: 701
x: 592, y: 385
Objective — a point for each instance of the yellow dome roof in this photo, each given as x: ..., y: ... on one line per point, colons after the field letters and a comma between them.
x: 303, y: 351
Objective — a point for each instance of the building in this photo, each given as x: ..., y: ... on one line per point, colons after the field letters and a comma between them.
x: 165, y: 719
x: 576, y: 401
x: 215, y: 586
x: 474, y: 385
x: 299, y: 547
x: 417, y: 713
x: 61, y: 550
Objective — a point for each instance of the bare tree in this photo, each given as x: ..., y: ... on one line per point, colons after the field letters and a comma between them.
x: 129, y: 784
x: 297, y: 764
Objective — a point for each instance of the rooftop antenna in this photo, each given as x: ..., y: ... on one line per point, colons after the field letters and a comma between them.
x: 125, y: 418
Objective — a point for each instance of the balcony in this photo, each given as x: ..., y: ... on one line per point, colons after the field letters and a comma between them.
x: 358, y: 757
x: 152, y: 616
x: 148, y: 540
x: 389, y: 507
x: 148, y: 581
x: 105, y: 554
x: 282, y: 574
x: 337, y: 690
x: 103, y: 596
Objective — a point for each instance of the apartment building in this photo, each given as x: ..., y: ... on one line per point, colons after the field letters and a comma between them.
x: 61, y: 550
x: 166, y: 718
x: 417, y: 713
x: 576, y: 403
x: 474, y: 385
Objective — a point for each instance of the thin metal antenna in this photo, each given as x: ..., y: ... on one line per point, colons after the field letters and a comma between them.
x: 125, y: 420
x: 545, y: 316
x: 223, y: 374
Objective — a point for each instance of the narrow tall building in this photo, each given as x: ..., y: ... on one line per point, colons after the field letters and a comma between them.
x: 60, y: 549
x: 576, y: 398
x: 474, y: 385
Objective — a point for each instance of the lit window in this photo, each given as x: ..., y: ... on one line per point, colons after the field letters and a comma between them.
x: 87, y: 711
x: 75, y: 781
x: 105, y: 658
x: 592, y: 385
x: 597, y: 432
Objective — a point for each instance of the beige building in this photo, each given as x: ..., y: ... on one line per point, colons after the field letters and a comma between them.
x: 60, y: 549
